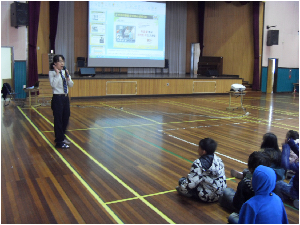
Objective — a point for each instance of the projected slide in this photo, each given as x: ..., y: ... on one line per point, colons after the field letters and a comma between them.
x: 126, y: 34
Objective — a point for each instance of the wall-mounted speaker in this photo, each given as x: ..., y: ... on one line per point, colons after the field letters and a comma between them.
x: 272, y: 37
x: 18, y: 14
x: 87, y: 71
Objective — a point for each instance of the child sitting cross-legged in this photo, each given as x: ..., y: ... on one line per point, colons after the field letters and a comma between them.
x: 206, y: 180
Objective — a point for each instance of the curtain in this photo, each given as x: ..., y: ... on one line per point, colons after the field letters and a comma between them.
x: 255, y: 83
x: 33, y: 25
x: 176, y: 36
x: 201, y: 11
x: 53, y: 8
x: 64, y: 42
x: 176, y: 18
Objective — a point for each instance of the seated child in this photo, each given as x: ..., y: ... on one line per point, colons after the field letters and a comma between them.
x: 269, y: 142
x: 291, y: 189
x: 206, y: 180
x: 274, y: 159
x: 293, y: 158
x: 234, y: 200
x: 265, y: 207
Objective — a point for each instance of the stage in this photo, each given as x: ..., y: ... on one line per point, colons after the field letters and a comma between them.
x: 121, y: 84
x: 116, y: 75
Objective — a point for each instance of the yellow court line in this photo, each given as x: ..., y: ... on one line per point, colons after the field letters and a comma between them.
x: 125, y: 185
x: 254, y: 107
x: 144, y: 196
x: 150, y: 195
x: 113, y: 215
x: 274, y: 123
x: 131, y: 113
x: 251, y: 120
x: 114, y: 176
x: 226, y: 113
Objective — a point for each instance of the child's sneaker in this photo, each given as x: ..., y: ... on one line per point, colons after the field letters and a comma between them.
x: 186, y: 195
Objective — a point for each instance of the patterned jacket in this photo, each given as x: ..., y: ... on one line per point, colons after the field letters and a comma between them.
x: 209, y: 183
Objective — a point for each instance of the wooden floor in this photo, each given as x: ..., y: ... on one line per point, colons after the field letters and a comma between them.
x: 127, y: 155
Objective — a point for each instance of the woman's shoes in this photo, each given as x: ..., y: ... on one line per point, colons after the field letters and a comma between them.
x: 237, y: 174
x: 67, y: 142
x: 63, y: 146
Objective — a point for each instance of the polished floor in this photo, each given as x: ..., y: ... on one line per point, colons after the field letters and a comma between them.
x: 127, y: 155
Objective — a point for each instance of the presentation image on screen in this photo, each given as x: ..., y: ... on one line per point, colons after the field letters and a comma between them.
x: 126, y: 34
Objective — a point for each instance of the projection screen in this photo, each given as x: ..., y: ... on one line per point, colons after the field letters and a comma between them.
x: 126, y: 34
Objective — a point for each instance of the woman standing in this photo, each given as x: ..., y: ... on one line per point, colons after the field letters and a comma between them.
x: 60, y: 80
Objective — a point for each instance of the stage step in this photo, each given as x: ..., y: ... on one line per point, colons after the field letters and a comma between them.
x: 45, y: 88
x: 45, y: 92
x: 248, y: 86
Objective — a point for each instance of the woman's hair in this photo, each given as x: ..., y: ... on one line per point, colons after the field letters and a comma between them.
x: 269, y: 141
x: 56, y: 58
x: 292, y: 134
x: 274, y: 155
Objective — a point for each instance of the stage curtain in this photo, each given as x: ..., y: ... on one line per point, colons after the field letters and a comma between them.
x: 176, y: 19
x: 53, y: 9
x: 255, y: 83
x: 201, y: 13
x: 33, y: 24
x: 64, y: 41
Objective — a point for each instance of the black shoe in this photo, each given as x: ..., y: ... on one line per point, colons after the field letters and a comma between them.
x: 63, y: 146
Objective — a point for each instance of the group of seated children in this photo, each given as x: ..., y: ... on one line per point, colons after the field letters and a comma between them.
x: 262, y: 189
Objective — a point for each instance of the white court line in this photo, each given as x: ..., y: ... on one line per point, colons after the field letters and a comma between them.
x: 197, y: 145
x: 202, y: 126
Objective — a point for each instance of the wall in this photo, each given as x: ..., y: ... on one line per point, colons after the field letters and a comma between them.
x: 285, y: 15
x: 16, y: 38
x: 228, y: 32
x: 286, y: 77
x: 11, y: 36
